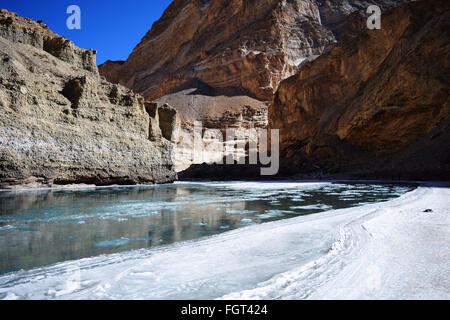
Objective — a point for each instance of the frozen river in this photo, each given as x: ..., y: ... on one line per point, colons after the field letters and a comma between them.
x: 226, y: 240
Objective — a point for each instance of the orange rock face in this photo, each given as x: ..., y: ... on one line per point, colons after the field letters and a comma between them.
x: 235, y: 43
x: 215, y: 59
x: 377, y: 103
x: 249, y: 44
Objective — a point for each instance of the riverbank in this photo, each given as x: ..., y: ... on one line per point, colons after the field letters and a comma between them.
x: 398, y: 250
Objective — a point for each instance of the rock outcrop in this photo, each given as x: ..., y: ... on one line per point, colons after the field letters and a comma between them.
x: 377, y: 105
x: 216, y: 110
x: 63, y: 124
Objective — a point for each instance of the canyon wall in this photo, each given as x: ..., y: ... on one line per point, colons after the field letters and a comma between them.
x: 244, y: 44
x: 62, y: 123
x: 211, y: 57
x: 377, y: 105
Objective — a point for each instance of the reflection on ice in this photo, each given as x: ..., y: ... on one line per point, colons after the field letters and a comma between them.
x: 38, y: 228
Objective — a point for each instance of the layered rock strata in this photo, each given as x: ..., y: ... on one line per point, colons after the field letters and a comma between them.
x: 63, y: 124
x: 212, y: 57
x: 245, y: 44
x: 377, y: 105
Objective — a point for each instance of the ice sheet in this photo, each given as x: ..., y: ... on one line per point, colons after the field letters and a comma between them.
x: 384, y: 250
x: 268, y: 185
x: 394, y: 251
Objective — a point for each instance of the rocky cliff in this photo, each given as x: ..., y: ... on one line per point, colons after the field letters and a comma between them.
x: 62, y: 124
x: 377, y: 105
x: 245, y: 44
x: 211, y: 57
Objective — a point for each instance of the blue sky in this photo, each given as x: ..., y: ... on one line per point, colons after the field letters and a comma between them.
x: 113, y: 28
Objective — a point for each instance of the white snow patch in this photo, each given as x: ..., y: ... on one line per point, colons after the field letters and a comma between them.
x: 299, y: 61
x: 395, y: 251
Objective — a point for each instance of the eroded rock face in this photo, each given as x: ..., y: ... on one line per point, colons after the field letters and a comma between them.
x: 214, y: 109
x: 37, y: 34
x: 215, y: 59
x: 214, y: 140
x: 249, y: 44
x: 376, y: 105
x: 62, y: 124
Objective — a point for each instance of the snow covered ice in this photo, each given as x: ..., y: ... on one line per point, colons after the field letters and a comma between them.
x: 386, y: 250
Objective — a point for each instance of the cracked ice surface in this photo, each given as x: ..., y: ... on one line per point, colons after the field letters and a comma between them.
x: 384, y: 250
